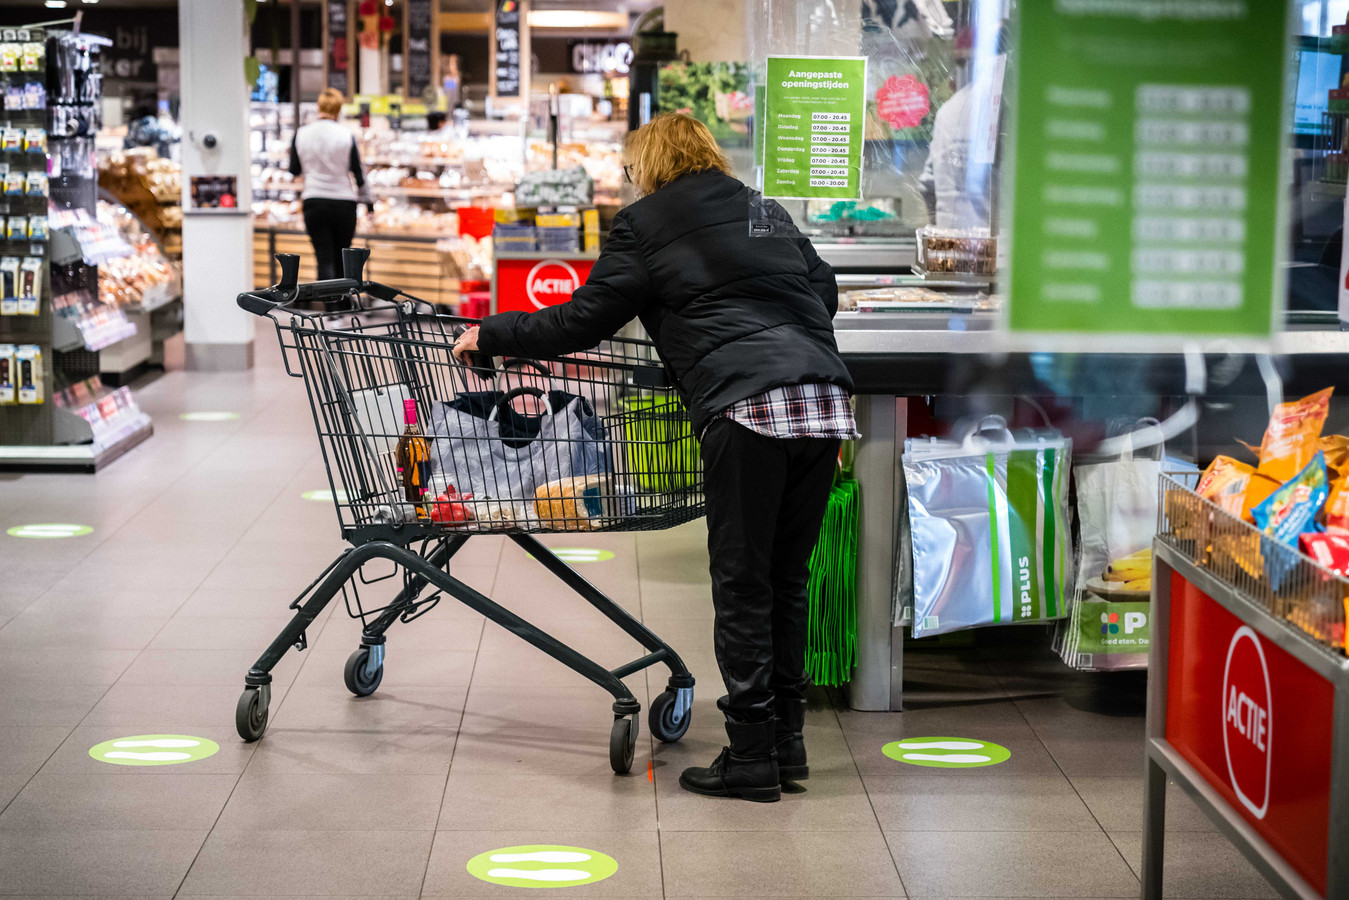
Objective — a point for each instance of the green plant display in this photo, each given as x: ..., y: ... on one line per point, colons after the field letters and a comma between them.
x: 716, y: 94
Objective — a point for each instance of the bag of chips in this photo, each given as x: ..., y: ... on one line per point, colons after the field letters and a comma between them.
x: 1224, y: 483
x: 1337, y: 506
x: 1293, y: 435
x: 1287, y: 513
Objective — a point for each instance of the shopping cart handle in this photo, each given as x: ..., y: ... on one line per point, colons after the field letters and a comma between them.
x: 260, y: 303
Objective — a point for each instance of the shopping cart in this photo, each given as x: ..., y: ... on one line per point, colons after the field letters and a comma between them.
x: 593, y: 442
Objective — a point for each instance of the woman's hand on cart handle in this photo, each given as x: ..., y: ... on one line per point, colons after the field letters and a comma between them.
x: 466, y: 343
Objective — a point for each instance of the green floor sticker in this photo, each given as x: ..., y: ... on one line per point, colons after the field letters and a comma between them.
x: 208, y: 416
x: 581, y: 554
x: 325, y: 496
x: 946, y: 752
x: 49, y: 530
x: 538, y: 866
x: 154, y: 750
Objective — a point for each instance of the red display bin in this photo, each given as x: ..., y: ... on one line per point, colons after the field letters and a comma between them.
x: 1248, y: 704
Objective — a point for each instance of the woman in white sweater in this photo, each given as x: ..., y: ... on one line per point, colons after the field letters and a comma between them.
x: 325, y: 153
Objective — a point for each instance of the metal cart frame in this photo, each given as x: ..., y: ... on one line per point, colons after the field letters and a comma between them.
x: 423, y: 551
x: 1164, y: 761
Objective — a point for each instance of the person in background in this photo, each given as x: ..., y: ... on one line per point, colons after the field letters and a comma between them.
x: 960, y: 179
x: 744, y: 327
x: 325, y: 153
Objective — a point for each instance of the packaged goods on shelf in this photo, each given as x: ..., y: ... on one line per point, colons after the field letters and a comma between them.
x: 964, y: 251
x: 28, y: 376
x: 8, y: 374
x: 151, y: 188
x: 1270, y: 532
x: 111, y: 414
x: 99, y: 241
x: 144, y: 278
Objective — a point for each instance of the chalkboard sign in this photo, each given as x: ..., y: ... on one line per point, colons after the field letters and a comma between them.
x: 420, y: 31
x: 337, y: 59
x: 506, y: 52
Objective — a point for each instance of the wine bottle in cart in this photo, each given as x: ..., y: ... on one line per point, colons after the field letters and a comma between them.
x: 413, y: 458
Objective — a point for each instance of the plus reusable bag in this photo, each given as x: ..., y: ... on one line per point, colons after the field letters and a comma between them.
x: 989, y: 524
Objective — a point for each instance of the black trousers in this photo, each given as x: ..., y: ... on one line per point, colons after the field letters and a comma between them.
x: 331, y: 224
x: 766, y: 498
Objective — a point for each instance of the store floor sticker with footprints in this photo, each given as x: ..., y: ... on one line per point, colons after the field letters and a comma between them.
x: 154, y: 750
x: 946, y: 752
x: 541, y: 866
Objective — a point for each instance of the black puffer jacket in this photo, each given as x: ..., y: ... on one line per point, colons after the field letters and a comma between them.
x: 731, y: 315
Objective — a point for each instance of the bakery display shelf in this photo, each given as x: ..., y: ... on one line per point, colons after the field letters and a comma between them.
x: 954, y: 279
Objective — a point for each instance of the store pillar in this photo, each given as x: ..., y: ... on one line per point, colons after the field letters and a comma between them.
x: 217, y: 221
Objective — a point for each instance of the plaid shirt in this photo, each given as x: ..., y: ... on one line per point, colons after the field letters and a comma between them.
x: 798, y: 411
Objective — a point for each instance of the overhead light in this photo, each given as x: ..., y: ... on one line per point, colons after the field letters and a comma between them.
x: 577, y: 18
x: 56, y: 4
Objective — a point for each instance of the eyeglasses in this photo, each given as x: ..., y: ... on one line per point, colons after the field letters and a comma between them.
x: 627, y: 174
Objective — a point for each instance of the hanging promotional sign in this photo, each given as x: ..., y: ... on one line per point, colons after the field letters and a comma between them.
x: 814, y: 121
x: 1147, y: 192
x: 336, y: 32
x: 510, y: 54
x: 420, y: 37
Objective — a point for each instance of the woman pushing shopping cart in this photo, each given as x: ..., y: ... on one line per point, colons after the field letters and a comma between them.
x: 744, y: 327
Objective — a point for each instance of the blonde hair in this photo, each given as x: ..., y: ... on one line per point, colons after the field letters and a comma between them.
x: 669, y: 146
x: 331, y: 102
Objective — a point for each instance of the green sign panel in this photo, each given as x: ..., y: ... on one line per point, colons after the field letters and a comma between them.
x: 154, y: 750
x: 538, y: 866
x: 1147, y: 186
x: 815, y: 112
x: 947, y: 752
x: 49, y: 530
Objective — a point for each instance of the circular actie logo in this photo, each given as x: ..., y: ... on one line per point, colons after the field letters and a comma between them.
x: 49, y: 531
x: 325, y: 496
x: 1248, y: 720
x: 551, y: 282
x: 154, y: 750
x: 208, y: 416
x: 947, y: 752
x: 538, y: 866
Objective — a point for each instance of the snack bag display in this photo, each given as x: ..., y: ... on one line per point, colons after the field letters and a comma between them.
x: 1258, y: 488
x: 1225, y: 482
x: 1337, y: 506
x: 1292, y: 509
x: 1336, y: 449
x: 1330, y: 550
x: 1293, y: 435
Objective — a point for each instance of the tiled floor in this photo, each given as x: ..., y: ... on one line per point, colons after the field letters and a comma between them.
x: 475, y: 741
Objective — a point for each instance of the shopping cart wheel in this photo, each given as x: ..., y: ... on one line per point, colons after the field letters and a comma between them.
x: 250, y: 715
x: 668, y: 720
x: 360, y: 680
x: 623, y: 744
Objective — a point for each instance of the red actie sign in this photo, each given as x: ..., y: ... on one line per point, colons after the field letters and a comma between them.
x: 1256, y: 723
x: 532, y: 284
x: 1248, y: 721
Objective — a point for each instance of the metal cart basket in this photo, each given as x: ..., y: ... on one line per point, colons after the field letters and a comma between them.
x: 592, y: 442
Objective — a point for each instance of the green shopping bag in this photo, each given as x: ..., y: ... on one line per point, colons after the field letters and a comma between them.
x: 831, y: 633
x: 662, y: 454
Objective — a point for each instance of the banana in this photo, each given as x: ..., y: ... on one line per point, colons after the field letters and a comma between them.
x: 1133, y: 567
x: 1139, y: 584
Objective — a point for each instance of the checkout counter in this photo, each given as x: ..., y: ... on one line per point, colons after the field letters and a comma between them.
x: 907, y: 364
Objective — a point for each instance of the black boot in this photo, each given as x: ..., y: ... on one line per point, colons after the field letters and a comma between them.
x: 747, y: 769
x: 788, y: 741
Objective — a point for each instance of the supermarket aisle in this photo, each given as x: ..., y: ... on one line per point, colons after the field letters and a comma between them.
x: 475, y: 741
